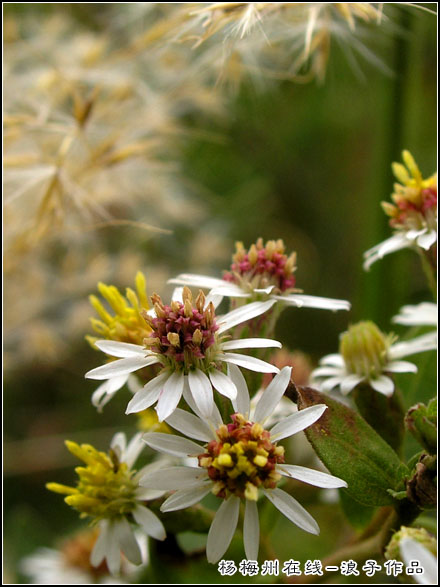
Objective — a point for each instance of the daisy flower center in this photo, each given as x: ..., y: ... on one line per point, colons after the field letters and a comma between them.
x: 183, y: 333
x: 105, y: 488
x: 365, y: 349
x: 242, y: 459
x: 262, y: 266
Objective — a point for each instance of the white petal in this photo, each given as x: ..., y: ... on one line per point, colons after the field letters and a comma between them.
x: 202, y: 281
x: 383, y: 384
x: 107, y: 547
x: 172, y: 445
x: 214, y: 417
x: 349, y: 383
x: 214, y: 299
x: 250, y: 343
x: 185, y: 498
x: 172, y: 478
x: 131, y: 453
x: 241, y: 404
x: 222, y: 529
x: 248, y: 362
x: 243, y: 314
x: 170, y: 396
x: 149, y: 522
x: 331, y: 382
x: 316, y: 478
x: 223, y: 384
x: 264, y: 290
x: 144, y: 494
x: 121, y: 349
x: 394, y: 243
x: 177, y: 295
x: 251, y: 530
x: 190, y: 425
x: 104, y: 393
x: 297, y: 422
x: 127, y: 541
x: 301, y: 300
x: 335, y: 360
x: 425, y: 342
x: 121, y: 367
x: 288, y: 506
x: 148, y: 395
x: 101, y: 546
x: 325, y: 371
x: 272, y: 395
x: 427, y: 240
x: 411, y: 550
x: 401, y: 367
x: 201, y: 391
x: 230, y: 290
x: 424, y: 313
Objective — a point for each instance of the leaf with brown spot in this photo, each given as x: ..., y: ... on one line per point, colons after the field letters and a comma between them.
x: 352, y: 450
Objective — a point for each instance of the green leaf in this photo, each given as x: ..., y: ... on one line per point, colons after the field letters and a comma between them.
x: 358, y: 515
x: 353, y: 451
x: 384, y: 414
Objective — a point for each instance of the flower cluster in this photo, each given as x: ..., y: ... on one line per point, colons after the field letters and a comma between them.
x: 108, y: 492
x: 262, y: 266
x: 239, y: 460
x: 368, y: 355
x: 413, y: 216
x: 262, y: 273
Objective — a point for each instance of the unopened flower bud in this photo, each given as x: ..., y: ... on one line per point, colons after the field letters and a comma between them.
x: 421, y: 421
x: 253, y: 255
x: 392, y: 551
x: 197, y: 336
x: 200, y: 301
x: 173, y: 338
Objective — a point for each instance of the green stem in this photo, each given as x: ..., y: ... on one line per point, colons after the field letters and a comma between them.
x: 430, y: 271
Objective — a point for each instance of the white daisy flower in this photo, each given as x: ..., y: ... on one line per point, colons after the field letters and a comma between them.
x: 189, y: 342
x: 366, y: 356
x: 261, y: 274
x: 424, y: 314
x: 235, y: 462
x: 108, y: 491
x: 413, y: 216
x: 70, y: 564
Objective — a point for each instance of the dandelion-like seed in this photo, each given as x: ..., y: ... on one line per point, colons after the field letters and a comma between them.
x: 108, y: 492
x: 188, y: 340
x: 281, y: 40
x: 239, y: 461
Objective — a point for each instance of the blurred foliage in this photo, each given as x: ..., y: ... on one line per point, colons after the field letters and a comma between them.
x: 305, y: 163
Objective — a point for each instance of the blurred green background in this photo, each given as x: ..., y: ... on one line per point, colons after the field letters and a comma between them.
x: 305, y: 163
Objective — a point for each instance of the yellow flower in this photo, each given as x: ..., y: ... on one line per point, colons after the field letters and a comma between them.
x: 127, y: 323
